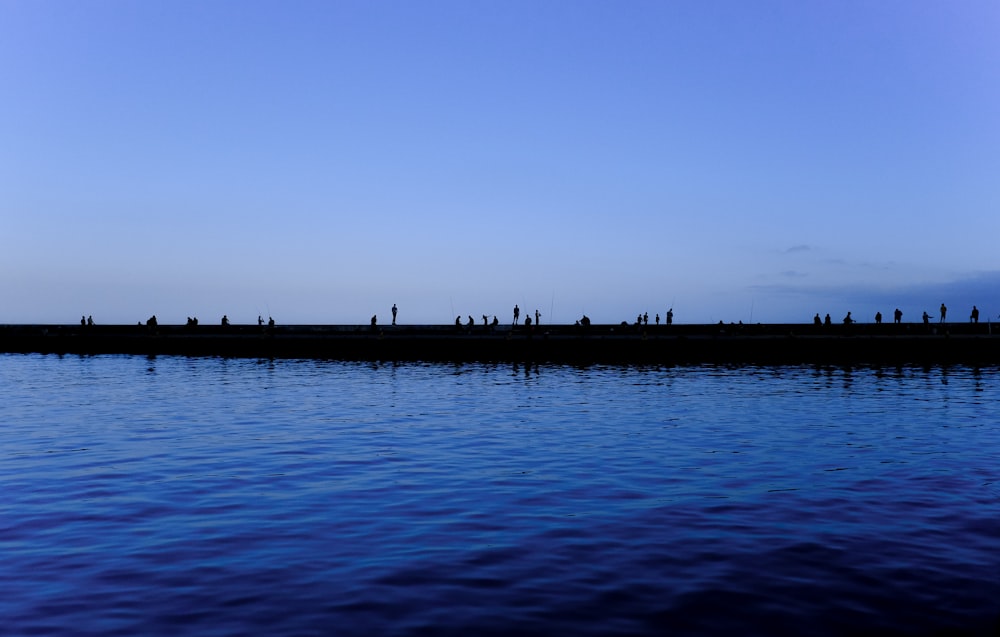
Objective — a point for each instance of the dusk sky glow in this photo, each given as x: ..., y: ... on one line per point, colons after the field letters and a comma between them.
x: 320, y: 161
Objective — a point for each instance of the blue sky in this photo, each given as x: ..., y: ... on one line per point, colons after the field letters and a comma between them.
x: 320, y: 161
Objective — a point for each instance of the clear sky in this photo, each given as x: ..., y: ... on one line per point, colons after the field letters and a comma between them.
x: 319, y: 161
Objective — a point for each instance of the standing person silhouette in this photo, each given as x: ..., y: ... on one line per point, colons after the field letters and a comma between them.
x: 394, y: 313
x: 974, y: 317
x: 897, y: 315
x: 944, y: 313
x: 517, y: 313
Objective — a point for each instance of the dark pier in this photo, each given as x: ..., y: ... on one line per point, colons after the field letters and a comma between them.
x: 967, y: 343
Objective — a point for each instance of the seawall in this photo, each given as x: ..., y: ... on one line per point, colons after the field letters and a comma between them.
x: 974, y: 344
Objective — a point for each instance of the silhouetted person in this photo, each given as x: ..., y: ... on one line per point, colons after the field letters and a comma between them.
x: 826, y: 320
x: 817, y: 320
x: 657, y: 318
x: 151, y: 321
x: 374, y: 320
x: 645, y: 318
x: 270, y: 321
x: 538, y: 316
x: 260, y: 321
x: 927, y: 318
x: 670, y: 316
x: 194, y: 320
x: 517, y: 313
x: 585, y: 321
x: 485, y: 321
x: 878, y: 318
x: 225, y: 320
x: 458, y: 321
x: 496, y: 321
x: 897, y: 316
x: 974, y: 317
x: 944, y: 313
x: 472, y: 321
x: 83, y: 321
x: 847, y: 319
x: 527, y: 321
x: 394, y: 313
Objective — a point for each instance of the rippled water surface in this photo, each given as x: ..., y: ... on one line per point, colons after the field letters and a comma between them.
x: 163, y: 496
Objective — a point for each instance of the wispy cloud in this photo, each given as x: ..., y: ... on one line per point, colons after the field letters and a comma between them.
x: 871, y: 265
x: 798, y: 248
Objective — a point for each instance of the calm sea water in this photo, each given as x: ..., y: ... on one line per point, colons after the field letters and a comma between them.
x: 170, y: 495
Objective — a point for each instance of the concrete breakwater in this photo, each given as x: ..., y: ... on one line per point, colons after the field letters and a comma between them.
x: 675, y: 344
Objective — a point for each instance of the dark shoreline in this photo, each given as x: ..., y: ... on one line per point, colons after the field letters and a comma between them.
x: 908, y: 343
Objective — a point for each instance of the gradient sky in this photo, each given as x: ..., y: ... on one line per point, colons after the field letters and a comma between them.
x: 319, y: 161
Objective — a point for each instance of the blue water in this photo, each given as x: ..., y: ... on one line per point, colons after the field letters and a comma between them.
x: 170, y: 495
